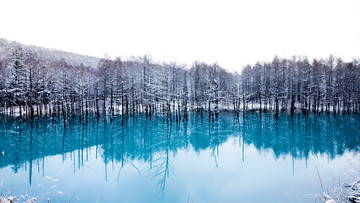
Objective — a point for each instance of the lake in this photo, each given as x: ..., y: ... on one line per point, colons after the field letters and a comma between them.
x: 255, y: 159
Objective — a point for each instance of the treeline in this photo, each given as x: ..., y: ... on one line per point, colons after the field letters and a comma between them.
x: 329, y: 85
x: 36, y: 85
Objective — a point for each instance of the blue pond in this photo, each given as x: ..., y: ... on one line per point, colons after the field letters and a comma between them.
x: 251, y: 159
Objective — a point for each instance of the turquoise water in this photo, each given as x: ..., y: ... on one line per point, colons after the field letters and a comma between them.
x: 230, y: 160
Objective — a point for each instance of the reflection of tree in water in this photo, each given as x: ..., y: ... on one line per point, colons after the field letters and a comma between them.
x: 162, y: 165
x: 119, y: 147
x: 218, y: 134
x: 302, y: 136
x: 156, y: 141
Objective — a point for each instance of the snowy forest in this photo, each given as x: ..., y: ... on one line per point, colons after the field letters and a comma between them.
x: 40, y: 82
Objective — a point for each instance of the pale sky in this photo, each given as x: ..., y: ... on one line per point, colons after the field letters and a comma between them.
x: 231, y: 33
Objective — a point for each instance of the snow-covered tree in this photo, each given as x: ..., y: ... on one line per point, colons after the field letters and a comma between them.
x: 17, y: 83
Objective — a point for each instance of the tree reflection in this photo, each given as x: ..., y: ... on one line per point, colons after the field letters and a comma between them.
x: 157, y: 142
x: 163, y: 166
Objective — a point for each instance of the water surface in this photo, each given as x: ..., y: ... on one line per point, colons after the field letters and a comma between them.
x: 256, y: 159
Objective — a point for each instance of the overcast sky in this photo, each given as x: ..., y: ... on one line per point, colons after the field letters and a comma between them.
x: 231, y: 33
